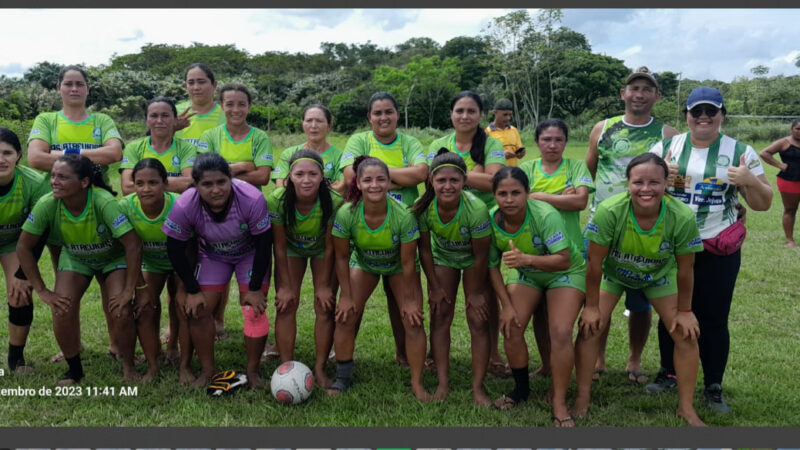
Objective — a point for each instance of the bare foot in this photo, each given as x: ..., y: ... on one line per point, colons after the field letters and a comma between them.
x: 322, y: 379
x: 150, y: 375
x: 480, y: 397
x: 401, y: 360
x: 442, y: 391
x: 24, y: 370
x: 130, y: 375
x: 791, y: 244
x: 580, y: 408
x: 691, y: 418
x: 541, y: 372
x: 186, y: 377
x: 597, y: 373
x: 254, y: 380
x: 66, y: 382
x: 202, y: 379
x: 172, y: 356
x: 505, y: 403
x: 421, y: 394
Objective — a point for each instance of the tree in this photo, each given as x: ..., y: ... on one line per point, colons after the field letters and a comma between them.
x: 584, y: 77
x: 45, y: 73
x: 473, y: 57
x: 759, y: 70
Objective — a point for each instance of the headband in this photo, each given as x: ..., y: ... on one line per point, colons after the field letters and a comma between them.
x: 448, y: 165
x: 307, y: 159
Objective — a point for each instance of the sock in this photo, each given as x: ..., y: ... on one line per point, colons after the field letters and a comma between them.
x: 75, y: 368
x: 344, y: 374
x: 522, y: 387
x: 15, y: 357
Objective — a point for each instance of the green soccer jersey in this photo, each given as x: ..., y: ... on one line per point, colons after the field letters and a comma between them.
x: 637, y: 257
x: 17, y: 203
x: 571, y: 173
x: 405, y: 151
x: 255, y: 147
x: 179, y: 156
x: 61, y: 133
x: 307, y: 237
x: 376, y: 250
x: 154, y: 241
x: 91, y: 237
x: 542, y: 233
x: 331, y: 158
x: 451, y: 242
x: 494, y: 155
x: 199, y: 123
x: 618, y: 144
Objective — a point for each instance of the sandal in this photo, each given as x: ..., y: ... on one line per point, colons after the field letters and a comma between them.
x: 500, y: 369
x: 637, y: 376
x: 505, y: 403
x: 559, y: 423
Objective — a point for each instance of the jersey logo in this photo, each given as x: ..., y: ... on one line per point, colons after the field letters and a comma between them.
x: 481, y: 227
x: 173, y: 226
x: 753, y: 164
x: 556, y: 238
x: 537, y: 241
x: 118, y: 221
x: 665, y: 247
x: 266, y: 157
x: 395, y: 239
x: 464, y: 231
x: 592, y: 227
x: 96, y: 133
x: 176, y: 160
x: 396, y: 195
x: 101, y: 229
x: 34, y: 132
x: 30, y: 217
x: 242, y: 227
x: 584, y: 180
x: 263, y: 223
x: 498, y: 155
x: 277, y: 170
x: 682, y: 182
x: 203, y: 145
x: 347, y: 155
x: 712, y: 184
x: 695, y: 242
x: 114, y: 133
x: 329, y: 166
x: 413, y: 231
x: 723, y: 161
x: 125, y: 160
x: 622, y: 145
x: 338, y: 227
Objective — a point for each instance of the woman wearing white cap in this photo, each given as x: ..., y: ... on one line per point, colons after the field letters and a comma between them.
x: 707, y: 171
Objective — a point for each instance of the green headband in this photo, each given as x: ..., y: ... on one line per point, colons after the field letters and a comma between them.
x: 307, y: 159
x: 448, y: 165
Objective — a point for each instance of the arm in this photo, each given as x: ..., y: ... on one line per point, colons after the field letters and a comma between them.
x: 323, y: 295
x: 181, y: 183
x: 349, y: 176
x: 409, y: 176
x: 255, y: 296
x: 436, y: 292
x: 555, y: 262
x: 40, y: 156
x: 589, y: 323
x: 570, y: 199
x: 283, y: 284
x: 758, y: 195
x: 133, y: 260
x: 346, y: 306
x: 339, y: 186
x: 508, y: 315
x: 777, y: 146
x: 258, y: 177
x: 685, y: 318
x: 592, y: 153
x: 109, y: 153
x: 126, y: 182
x: 480, y: 178
x: 27, y: 261
x: 411, y: 307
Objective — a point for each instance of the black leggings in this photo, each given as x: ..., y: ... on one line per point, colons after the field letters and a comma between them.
x: 714, y: 280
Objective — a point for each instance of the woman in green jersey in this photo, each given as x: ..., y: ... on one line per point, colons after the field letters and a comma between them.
x: 643, y: 239
x: 317, y: 123
x: 98, y: 241
x: 564, y: 183
x: 146, y: 209
x: 454, y: 243
x: 176, y: 155
x: 384, y: 235
x: 484, y: 156
x: 20, y: 188
x: 408, y: 167
x: 200, y: 113
x: 528, y: 236
x: 302, y: 219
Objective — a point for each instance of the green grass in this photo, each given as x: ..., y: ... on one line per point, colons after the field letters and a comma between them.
x: 761, y: 383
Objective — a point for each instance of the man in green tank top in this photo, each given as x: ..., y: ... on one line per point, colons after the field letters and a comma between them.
x: 613, y: 142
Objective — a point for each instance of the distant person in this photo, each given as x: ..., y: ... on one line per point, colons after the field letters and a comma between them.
x: 502, y: 130
x: 708, y: 171
x: 613, y: 143
x: 788, y: 178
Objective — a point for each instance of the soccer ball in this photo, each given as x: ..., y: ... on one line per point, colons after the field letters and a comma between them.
x: 292, y: 383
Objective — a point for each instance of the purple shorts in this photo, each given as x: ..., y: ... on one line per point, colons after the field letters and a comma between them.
x: 214, y: 275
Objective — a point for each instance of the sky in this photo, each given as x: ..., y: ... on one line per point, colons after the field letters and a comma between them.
x: 698, y: 43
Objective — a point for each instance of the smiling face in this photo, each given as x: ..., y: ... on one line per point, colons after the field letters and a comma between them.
x: 214, y: 188
x: 552, y: 142
x: 8, y: 161
x: 236, y: 107
x: 639, y: 96
x: 448, y: 182
x: 160, y: 119
x: 705, y: 127
x: 383, y: 118
x: 306, y: 177
x: 373, y: 184
x: 73, y: 89
x: 199, y: 86
x: 315, y: 125
x: 511, y: 197
x: 149, y: 186
x: 65, y: 181
x: 466, y: 115
x: 647, y: 183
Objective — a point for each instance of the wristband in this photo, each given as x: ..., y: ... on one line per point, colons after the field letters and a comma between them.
x: 144, y: 286
x: 685, y: 310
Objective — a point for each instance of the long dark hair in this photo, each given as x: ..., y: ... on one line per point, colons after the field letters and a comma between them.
x: 10, y: 138
x: 324, y: 194
x: 150, y: 163
x: 508, y: 172
x: 647, y: 158
x: 551, y: 123
x: 206, y: 162
x: 443, y: 156
x: 478, y: 149
x: 353, y: 194
x: 85, y: 168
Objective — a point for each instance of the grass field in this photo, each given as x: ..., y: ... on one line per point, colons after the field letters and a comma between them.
x: 761, y: 382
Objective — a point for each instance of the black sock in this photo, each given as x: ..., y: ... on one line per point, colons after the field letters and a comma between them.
x: 344, y: 374
x: 75, y: 368
x: 15, y: 357
x: 522, y: 387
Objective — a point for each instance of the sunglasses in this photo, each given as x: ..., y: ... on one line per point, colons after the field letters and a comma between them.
x: 698, y: 111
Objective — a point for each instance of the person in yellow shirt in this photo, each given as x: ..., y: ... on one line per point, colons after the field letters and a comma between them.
x: 507, y: 134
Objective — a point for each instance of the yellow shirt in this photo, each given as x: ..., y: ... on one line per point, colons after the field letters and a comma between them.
x: 509, y: 136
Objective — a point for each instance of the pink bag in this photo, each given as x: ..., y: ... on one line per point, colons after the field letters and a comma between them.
x: 728, y: 241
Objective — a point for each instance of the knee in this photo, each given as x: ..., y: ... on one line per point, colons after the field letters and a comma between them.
x: 477, y: 324
x: 21, y: 316
x: 560, y: 335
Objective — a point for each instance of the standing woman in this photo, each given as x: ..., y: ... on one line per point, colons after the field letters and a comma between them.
x: 229, y: 218
x: 528, y: 236
x: 98, y: 241
x: 317, y: 123
x: 176, y: 155
x: 20, y: 188
x: 408, y: 167
x: 200, y: 113
x: 146, y: 209
x: 788, y: 178
x: 384, y: 236
x: 565, y: 184
x: 302, y: 220
x: 484, y: 156
x: 643, y: 239
x: 454, y: 243
x: 707, y: 172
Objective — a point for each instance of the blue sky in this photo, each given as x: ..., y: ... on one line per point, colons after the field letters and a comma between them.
x: 701, y: 44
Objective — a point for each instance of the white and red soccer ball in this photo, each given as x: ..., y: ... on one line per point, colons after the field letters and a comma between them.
x: 292, y: 383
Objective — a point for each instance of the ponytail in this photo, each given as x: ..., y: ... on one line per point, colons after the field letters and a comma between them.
x: 85, y: 168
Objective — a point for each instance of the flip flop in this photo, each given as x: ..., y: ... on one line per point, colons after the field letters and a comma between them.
x: 500, y: 369
x: 559, y: 423
x: 505, y: 403
x: 637, y: 376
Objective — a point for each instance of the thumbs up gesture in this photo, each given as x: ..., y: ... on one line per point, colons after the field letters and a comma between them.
x: 514, y: 258
x: 741, y: 176
x: 673, y: 169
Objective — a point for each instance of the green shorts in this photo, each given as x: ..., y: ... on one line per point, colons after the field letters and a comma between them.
x: 663, y: 287
x: 294, y: 254
x: 70, y: 263
x: 156, y: 265
x: 395, y: 269
x: 546, y: 280
x: 11, y: 247
x: 458, y: 265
